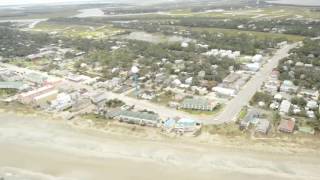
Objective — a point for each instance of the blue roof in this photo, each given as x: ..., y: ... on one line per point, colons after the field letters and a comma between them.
x: 169, y: 123
x: 186, y: 122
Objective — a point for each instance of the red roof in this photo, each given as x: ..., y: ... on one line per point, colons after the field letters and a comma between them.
x: 286, y: 125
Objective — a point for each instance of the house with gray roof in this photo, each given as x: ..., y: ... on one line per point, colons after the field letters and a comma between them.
x: 263, y: 126
x: 252, y: 117
x: 140, y: 118
x: 99, y: 98
x: 12, y: 85
x: 35, y: 78
x: 198, y: 104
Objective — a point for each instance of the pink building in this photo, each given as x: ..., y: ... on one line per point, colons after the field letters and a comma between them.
x: 26, y: 98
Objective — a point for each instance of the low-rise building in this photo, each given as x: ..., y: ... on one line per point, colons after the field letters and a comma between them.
x: 35, y: 78
x: 288, y: 87
x: 231, y: 78
x: 13, y: 85
x: 62, y: 102
x: 253, y: 67
x: 27, y: 97
x: 309, y: 93
x: 252, y: 117
x: 272, y: 86
x: 140, y: 118
x: 263, y: 126
x: 99, y: 98
x: 147, y: 95
x: 287, y: 125
x: 198, y: 104
x: 312, y: 105
x: 257, y: 58
x: 285, y: 107
x: 224, y: 92
x: 187, y: 125
x: 44, y: 99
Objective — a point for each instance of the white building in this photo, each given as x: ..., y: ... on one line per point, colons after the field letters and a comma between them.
x: 62, y: 102
x: 285, y: 107
x: 288, y: 87
x: 257, y: 58
x: 224, y: 91
x: 312, y: 104
x: 253, y: 67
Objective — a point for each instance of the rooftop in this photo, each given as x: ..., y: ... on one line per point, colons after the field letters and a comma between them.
x: 196, y: 102
x: 286, y: 125
x: 140, y: 115
x: 11, y: 85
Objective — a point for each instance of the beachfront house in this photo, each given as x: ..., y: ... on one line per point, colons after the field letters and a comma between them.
x: 186, y: 125
x: 140, y: 118
x: 62, y: 102
x: 252, y: 117
x: 27, y: 98
x: 263, y: 126
x: 287, y: 125
x: 44, y: 99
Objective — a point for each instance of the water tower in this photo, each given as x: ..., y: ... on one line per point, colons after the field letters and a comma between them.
x: 135, y: 71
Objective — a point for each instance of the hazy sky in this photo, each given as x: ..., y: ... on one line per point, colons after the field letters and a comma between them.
x: 15, y: 2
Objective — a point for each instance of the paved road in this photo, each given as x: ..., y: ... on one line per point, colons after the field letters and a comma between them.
x: 231, y: 110
x: 233, y: 107
x: 163, y: 111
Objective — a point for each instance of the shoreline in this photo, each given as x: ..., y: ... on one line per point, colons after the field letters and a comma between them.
x: 284, y: 143
x: 54, y: 147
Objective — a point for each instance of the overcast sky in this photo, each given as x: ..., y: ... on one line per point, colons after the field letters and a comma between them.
x: 17, y: 2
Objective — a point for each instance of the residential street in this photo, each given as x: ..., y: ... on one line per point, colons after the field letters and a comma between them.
x: 233, y: 107
x: 163, y: 111
x: 230, y: 111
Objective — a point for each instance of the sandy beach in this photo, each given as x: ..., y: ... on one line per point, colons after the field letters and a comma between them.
x: 34, y: 147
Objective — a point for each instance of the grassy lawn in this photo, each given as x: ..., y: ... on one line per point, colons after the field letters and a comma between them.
x: 243, y: 113
x: 7, y: 92
x: 163, y: 99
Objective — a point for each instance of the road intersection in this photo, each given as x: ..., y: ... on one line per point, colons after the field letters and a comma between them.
x: 230, y: 110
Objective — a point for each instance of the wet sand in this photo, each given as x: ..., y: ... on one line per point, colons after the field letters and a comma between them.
x: 55, y: 150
